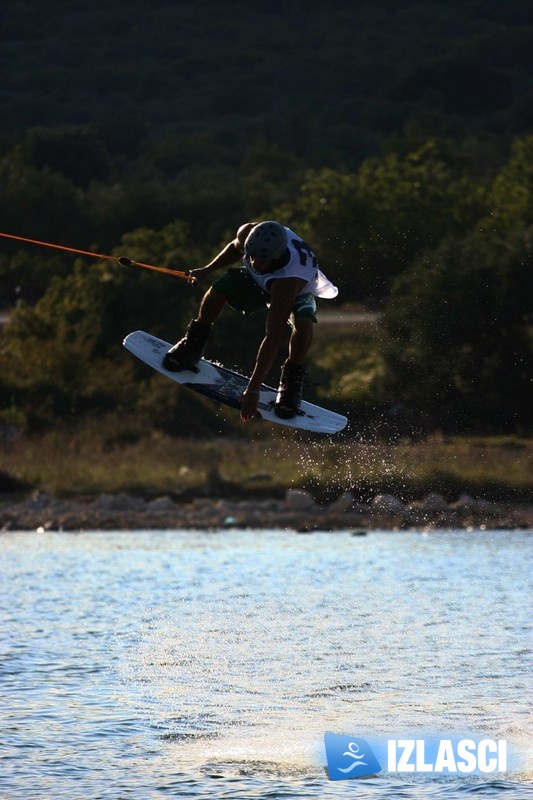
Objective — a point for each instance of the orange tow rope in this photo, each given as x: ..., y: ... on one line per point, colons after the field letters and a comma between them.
x: 123, y: 260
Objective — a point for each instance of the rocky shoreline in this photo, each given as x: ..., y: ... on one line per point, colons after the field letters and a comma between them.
x: 297, y: 511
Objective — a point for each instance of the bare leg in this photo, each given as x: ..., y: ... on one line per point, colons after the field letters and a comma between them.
x: 211, y: 306
x: 300, y: 341
x: 289, y: 396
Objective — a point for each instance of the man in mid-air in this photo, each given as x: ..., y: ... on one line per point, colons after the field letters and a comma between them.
x: 280, y: 272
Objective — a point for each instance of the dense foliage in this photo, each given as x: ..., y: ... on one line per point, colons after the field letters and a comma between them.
x: 394, y: 137
x: 330, y: 81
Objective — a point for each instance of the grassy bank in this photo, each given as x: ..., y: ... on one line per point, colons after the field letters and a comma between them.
x: 104, y: 457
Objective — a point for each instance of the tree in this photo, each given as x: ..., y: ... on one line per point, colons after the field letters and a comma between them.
x: 77, y: 152
x: 63, y: 356
x: 40, y: 203
x: 511, y: 196
x: 369, y: 226
x: 458, y: 351
x: 413, y: 202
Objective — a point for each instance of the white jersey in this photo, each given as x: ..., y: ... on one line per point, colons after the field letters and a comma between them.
x: 303, y: 264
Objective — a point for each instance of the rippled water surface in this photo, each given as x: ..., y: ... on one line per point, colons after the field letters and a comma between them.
x: 210, y: 665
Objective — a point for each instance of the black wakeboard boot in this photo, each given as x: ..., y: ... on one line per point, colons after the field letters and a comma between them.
x: 289, y: 396
x: 186, y: 353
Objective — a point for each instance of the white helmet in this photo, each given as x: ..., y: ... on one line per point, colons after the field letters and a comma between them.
x: 267, y: 240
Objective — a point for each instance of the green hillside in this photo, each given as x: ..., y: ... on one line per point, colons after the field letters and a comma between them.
x: 329, y: 82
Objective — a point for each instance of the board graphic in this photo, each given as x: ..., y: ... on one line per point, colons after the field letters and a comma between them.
x: 226, y: 386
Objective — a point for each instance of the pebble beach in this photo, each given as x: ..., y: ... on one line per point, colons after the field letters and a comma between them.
x: 297, y: 510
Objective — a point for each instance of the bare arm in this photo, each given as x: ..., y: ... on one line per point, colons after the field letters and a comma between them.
x: 231, y: 254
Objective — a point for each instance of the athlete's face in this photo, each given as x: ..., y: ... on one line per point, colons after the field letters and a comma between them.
x: 260, y: 264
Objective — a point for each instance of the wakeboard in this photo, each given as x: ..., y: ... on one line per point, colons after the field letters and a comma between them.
x: 226, y: 386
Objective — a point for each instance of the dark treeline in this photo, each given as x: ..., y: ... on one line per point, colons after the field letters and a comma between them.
x: 329, y: 82
x: 394, y: 136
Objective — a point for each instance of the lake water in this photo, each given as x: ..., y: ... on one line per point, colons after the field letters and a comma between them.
x: 210, y: 665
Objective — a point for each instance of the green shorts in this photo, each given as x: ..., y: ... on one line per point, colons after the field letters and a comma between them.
x: 243, y: 294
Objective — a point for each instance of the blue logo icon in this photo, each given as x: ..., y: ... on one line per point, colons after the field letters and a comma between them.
x: 349, y: 757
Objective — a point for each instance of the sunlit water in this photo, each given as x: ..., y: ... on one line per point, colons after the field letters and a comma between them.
x: 210, y: 665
